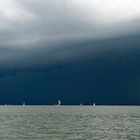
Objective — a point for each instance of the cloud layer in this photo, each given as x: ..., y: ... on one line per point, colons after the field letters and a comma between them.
x: 41, y: 32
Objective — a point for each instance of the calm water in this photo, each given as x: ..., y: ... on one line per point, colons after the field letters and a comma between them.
x: 69, y: 123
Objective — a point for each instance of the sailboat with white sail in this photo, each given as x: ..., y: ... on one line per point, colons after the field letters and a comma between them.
x: 59, y: 103
x: 23, y: 104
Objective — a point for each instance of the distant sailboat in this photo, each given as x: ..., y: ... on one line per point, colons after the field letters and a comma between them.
x: 23, y: 104
x: 94, y: 104
x: 59, y: 103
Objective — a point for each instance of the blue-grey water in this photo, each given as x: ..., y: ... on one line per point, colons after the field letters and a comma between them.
x: 69, y: 123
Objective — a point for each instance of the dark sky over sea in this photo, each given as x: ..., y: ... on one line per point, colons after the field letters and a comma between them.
x: 75, y: 51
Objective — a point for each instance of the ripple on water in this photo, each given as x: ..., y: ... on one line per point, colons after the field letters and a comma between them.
x: 69, y: 122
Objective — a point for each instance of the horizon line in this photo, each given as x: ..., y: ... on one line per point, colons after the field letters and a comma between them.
x: 69, y: 105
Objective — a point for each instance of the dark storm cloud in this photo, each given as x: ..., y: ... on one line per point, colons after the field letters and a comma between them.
x: 110, y: 76
x: 37, y: 33
x: 74, y: 50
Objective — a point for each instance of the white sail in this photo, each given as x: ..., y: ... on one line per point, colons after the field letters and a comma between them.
x: 59, y: 103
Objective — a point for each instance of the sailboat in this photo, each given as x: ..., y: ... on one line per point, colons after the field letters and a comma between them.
x: 23, y: 104
x: 94, y: 104
x: 59, y: 103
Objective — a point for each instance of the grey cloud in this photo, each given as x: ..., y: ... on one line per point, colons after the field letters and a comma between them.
x: 38, y: 33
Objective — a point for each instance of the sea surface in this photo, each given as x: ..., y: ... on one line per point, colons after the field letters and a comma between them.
x: 69, y: 123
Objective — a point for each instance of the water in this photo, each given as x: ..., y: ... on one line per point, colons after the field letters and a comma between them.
x: 69, y: 123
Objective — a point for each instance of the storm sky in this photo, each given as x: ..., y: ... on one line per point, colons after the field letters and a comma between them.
x: 73, y: 50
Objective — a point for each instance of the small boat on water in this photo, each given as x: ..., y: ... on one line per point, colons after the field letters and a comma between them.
x: 94, y: 104
x: 23, y: 104
x: 59, y: 103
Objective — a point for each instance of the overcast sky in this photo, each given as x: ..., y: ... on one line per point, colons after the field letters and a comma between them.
x: 74, y: 50
x: 34, y: 31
